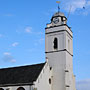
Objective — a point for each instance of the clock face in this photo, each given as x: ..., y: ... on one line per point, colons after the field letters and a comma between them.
x: 55, y: 20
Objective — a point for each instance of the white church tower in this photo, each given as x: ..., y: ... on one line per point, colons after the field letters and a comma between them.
x: 59, y: 52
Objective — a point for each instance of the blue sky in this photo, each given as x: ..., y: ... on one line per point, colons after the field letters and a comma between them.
x: 22, y: 32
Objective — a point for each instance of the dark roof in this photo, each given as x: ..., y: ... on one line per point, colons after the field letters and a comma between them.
x: 20, y: 75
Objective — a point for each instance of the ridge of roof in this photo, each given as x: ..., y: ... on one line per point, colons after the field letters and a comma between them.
x: 22, y: 66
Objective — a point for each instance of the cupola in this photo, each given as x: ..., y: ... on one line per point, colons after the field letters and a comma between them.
x: 57, y: 19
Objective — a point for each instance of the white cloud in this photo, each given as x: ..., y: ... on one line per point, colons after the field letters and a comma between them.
x: 1, y: 35
x: 24, y: 29
x: 83, y: 84
x: 8, y: 57
x: 13, y: 61
x: 15, y: 44
x: 88, y: 3
x: 9, y: 15
x: 7, y: 53
x: 39, y: 41
x: 74, y: 4
x: 85, y: 13
x: 79, y: 6
x: 28, y: 29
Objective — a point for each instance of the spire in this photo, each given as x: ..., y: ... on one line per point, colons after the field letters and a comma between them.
x: 58, y: 2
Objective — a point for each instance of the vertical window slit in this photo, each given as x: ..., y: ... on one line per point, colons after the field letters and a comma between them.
x: 55, y: 43
x: 68, y: 44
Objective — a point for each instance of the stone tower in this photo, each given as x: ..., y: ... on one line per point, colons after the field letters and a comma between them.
x: 59, y: 52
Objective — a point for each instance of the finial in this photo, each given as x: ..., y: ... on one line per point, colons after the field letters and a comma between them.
x: 58, y: 2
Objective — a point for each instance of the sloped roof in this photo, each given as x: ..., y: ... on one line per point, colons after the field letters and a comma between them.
x: 20, y: 75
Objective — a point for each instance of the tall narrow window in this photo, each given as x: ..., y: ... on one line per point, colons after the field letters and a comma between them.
x: 68, y: 44
x: 55, y: 43
x: 49, y: 80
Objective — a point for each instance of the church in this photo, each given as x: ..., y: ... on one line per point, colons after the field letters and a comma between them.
x: 57, y: 71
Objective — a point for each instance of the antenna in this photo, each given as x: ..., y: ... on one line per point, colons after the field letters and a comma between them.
x: 69, y: 12
x: 58, y: 2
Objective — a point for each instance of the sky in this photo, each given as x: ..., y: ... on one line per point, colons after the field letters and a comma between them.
x: 22, y: 33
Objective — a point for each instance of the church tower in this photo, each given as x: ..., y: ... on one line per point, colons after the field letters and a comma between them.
x: 59, y: 52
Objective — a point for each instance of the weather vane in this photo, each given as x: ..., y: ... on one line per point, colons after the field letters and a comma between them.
x: 58, y: 2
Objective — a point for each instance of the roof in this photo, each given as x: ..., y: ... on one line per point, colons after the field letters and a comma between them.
x: 20, y: 75
x: 58, y: 14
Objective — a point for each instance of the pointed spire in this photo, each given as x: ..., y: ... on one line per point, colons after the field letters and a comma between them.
x: 58, y: 2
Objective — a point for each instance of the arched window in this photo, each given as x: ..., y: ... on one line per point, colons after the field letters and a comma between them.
x: 49, y: 80
x: 20, y: 88
x: 55, y: 43
x: 1, y: 89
